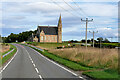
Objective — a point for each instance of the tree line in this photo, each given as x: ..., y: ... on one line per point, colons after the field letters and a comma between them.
x: 100, y: 39
x: 18, y: 37
x: 24, y: 36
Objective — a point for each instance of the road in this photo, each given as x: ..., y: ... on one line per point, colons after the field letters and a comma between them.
x: 28, y: 64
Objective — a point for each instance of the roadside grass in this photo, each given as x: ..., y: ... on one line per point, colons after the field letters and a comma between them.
x: 107, y: 74
x: 96, y: 63
x: 7, y: 51
x: 48, y: 45
x: 87, y: 70
x: 70, y: 64
x: 113, y: 44
x: 4, y: 47
x: 6, y: 58
x: 101, y: 58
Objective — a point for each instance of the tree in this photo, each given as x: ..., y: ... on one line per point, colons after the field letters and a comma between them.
x: 106, y: 40
x: 92, y: 40
x: 100, y: 39
x: 88, y: 41
x: 83, y: 40
x: 19, y: 37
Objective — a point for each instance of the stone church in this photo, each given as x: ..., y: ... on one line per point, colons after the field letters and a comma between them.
x: 49, y: 33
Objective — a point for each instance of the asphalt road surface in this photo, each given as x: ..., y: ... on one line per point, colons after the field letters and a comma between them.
x: 28, y: 64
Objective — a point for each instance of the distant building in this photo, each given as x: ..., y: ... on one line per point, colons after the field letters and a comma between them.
x: 49, y: 33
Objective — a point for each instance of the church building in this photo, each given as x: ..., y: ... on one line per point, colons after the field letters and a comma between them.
x: 49, y: 33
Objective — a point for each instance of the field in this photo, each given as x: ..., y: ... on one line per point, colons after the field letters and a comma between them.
x: 104, y: 60
x: 5, y: 49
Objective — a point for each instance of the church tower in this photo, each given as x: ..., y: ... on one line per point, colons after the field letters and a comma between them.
x: 59, y: 40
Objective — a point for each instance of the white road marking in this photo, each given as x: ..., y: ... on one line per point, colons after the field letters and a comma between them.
x: 37, y: 70
x: 9, y: 61
x: 32, y: 61
x: 59, y: 65
x: 82, y: 78
x: 40, y: 77
x: 34, y: 65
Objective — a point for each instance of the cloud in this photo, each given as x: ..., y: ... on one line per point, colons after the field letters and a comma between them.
x: 59, y: 0
x: 27, y: 15
x: 100, y: 9
x: 2, y: 25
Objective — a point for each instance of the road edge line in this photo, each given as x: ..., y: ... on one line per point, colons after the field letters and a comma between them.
x: 59, y: 65
x: 9, y: 62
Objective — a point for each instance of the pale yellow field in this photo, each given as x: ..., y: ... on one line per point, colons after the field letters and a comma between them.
x: 4, y: 48
x: 107, y: 58
x: 90, y: 56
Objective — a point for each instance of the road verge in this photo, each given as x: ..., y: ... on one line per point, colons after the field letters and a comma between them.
x: 92, y: 72
x: 5, y: 57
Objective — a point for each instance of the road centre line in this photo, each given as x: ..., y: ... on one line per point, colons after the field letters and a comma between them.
x: 59, y: 65
x: 34, y: 65
x: 37, y: 70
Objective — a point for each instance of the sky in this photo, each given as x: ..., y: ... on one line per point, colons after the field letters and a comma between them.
x: 18, y: 16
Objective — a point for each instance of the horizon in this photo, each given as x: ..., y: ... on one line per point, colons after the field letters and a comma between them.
x: 24, y: 16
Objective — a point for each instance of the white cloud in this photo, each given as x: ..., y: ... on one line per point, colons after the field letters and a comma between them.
x: 59, y: 0
x: 104, y: 15
x: 1, y: 25
x: 100, y: 9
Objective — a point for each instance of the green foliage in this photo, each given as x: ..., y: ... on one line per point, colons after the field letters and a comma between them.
x: 100, y: 39
x: 6, y: 58
x: 48, y: 45
x: 7, y: 51
x: 93, y: 72
x: 108, y: 74
x: 19, y: 37
x: 107, y: 45
x: 68, y: 63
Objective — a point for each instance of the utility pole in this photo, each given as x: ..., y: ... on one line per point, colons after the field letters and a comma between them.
x: 86, y: 27
x: 93, y: 36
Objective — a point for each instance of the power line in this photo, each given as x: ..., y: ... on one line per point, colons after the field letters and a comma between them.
x: 79, y: 8
x: 71, y: 6
x: 64, y: 9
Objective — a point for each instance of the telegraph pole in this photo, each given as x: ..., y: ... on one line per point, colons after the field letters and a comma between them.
x: 86, y: 27
x: 93, y: 36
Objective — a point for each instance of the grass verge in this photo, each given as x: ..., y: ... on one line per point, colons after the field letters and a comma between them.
x: 7, y: 51
x: 63, y: 61
x: 6, y: 58
x: 107, y: 74
x: 93, y: 72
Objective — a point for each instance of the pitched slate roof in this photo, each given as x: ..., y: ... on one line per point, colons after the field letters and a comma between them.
x: 49, y: 30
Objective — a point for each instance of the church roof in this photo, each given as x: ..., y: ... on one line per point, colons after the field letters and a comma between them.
x: 49, y: 30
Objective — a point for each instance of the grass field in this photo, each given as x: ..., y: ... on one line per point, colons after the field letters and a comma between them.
x: 6, y: 58
x: 48, y: 45
x: 4, y: 47
x: 94, y: 61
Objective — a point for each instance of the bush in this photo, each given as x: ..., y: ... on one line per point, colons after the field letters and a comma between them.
x: 105, y: 45
x: 59, y: 47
